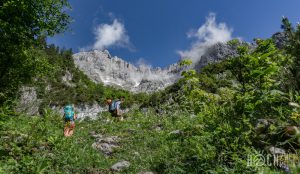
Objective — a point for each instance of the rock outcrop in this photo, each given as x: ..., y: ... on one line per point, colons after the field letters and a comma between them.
x: 29, y: 102
x: 84, y: 110
x: 280, y: 39
x: 216, y: 53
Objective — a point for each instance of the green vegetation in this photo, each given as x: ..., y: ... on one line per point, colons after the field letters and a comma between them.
x: 293, y: 48
x: 22, y: 24
x: 229, y: 98
x: 205, y: 123
x: 79, y: 89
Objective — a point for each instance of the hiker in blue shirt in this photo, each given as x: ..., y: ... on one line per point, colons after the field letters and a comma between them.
x: 69, y: 118
x: 114, y: 107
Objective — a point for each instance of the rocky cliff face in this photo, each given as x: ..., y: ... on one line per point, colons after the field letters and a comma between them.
x: 101, y: 67
x: 216, y: 53
x: 280, y: 39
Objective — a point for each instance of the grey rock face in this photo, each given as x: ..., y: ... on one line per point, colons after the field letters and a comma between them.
x: 67, y: 78
x: 280, y: 39
x: 84, y: 110
x: 91, y: 111
x: 29, y: 103
x: 102, y: 68
x: 120, y: 166
x: 216, y: 53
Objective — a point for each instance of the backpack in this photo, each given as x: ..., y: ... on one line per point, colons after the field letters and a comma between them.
x: 113, y: 106
x: 69, y: 113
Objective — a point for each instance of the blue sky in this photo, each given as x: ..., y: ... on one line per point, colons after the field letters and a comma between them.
x: 159, y: 32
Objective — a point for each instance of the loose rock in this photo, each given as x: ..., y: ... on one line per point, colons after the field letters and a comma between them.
x: 175, y: 132
x: 275, y: 151
x: 105, y: 145
x: 119, y: 166
x: 262, y: 125
x: 145, y: 173
x: 136, y: 153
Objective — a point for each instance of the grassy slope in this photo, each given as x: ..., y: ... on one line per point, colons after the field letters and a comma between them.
x: 22, y: 136
x: 37, y: 145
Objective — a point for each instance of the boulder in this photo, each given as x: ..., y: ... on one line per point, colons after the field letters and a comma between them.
x: 105, y: 148
x: 119, y: 166
x: 105, y: 144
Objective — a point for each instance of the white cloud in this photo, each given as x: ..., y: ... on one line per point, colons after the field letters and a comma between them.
x: 108, y: 35
x: 207, y: 35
